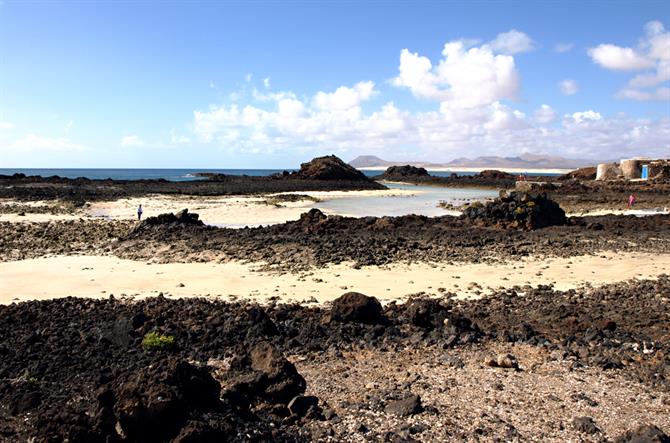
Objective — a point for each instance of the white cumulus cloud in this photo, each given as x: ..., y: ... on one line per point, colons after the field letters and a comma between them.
x: 345, y: 98
x: 545, y: 114
x: 568, y: 87
x: 619, y: 59
x: 512, y: 42
x: 463, y: 78
x: 652, y: 54
x: 584, y: 116
x: 469, y: 87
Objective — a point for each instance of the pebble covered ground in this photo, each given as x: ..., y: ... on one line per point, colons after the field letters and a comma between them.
x: 577, y: 366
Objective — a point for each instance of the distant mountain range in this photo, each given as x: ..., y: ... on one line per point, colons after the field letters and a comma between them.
x: 524, y: 161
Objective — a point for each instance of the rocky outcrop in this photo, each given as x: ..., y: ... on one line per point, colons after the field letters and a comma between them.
x: 517, y: 211
x: 404, y: 172
x: 262, y: 374
x: 154, y: 403
x: 321, y: 174
x: 644, y: 434
x: 182, y: 217
x: 329, y: 167
x: 580, y: 174
x: 355, y: 307
x: 494, y: 174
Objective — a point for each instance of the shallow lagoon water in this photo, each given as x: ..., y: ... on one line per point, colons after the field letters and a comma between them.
x: 424, y: 201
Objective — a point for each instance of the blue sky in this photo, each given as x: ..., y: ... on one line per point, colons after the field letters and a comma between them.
x: 271, y: 84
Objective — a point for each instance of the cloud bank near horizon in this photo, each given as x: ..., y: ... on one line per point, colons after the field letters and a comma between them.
x: 467, y: 99
x: 472, y: 87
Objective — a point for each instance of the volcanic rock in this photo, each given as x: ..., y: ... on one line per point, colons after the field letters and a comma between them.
x: 181, y: 217
x: 644, y: 434
x: 409, y: 405
x: 517, y: 211
x: 580, y: 174
x: 263, y: 374
x: 354, y: 307
x: 506, y: 361
x: 399, y: 172
x: 153, y: 403
x: 312, y: 220
x: 585, y: 425
x: 329, y: 167
x: 495, y: 174
x: 300, y: 405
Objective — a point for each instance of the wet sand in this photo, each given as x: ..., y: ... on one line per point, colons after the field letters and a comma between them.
x: 100, y: 276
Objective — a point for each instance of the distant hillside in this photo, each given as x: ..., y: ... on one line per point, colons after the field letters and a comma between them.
x: 366, y: 161
x: 524, y: 161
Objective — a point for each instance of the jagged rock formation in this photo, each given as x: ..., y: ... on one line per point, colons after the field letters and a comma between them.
x: 517, y: 211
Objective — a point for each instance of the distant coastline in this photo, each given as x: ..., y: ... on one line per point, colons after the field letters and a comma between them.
x: 539, y: 171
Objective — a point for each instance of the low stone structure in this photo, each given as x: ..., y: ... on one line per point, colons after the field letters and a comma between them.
x: 630, y: 169
x: 608, y: 171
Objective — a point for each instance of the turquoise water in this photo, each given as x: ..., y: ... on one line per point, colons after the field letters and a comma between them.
x: 167, y: 174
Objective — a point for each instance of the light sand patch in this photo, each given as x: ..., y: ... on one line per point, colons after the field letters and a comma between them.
x: 96, y: 276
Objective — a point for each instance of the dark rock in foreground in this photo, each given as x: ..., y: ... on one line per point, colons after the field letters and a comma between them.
x: 263, y: 374
x: 409, y: 405
x: 644, y: 434
x: 517, y: 211
x: 62, y: 378
x: 153, y: 404
x: 357, y: 308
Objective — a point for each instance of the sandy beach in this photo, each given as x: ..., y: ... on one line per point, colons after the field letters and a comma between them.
x: 98, y: 277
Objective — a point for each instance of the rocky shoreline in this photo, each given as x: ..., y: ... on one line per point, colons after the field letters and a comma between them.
x: 488, y: 179
x: 318, y: 240
x: 521, y: 363
x: 321, y: 174
x: 197, y: 370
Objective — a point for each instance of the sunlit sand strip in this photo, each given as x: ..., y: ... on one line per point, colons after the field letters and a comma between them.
x: 96, y: 276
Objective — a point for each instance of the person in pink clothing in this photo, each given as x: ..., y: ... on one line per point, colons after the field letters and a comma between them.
x: 631, y: 201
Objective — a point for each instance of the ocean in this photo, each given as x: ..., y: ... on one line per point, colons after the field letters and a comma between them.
x: 172, y: 174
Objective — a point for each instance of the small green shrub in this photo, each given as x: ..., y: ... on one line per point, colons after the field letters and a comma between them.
x: 154, y: 340
x: 519, y: 210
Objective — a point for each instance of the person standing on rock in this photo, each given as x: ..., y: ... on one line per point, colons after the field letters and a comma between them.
x: 139, y: 213
x: 631, y: 201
